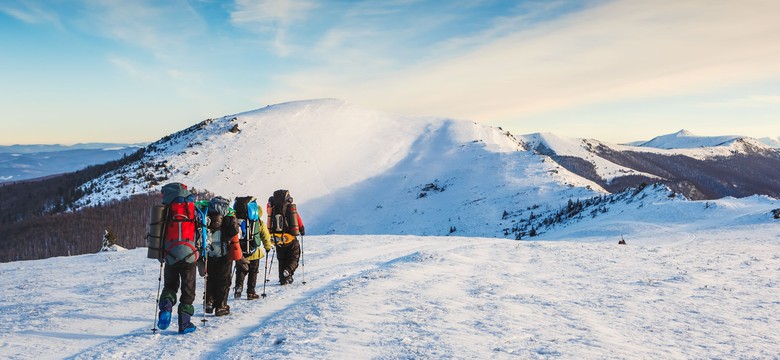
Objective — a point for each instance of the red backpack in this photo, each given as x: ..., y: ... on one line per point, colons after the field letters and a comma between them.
x: 179, y: 231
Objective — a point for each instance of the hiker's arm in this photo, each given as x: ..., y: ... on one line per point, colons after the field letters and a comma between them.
x: 265, y: 236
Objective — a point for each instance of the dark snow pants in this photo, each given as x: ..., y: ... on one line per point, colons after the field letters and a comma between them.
x: 288, y: 256
x: 180, y: 274
x: 220, y: 271
x: 251, y: 282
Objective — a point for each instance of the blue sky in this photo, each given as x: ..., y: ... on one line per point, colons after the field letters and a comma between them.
x: 132, y: 71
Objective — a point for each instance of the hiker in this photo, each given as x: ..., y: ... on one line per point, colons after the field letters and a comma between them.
x: 179, y: 256
x: 255, y: 242
x: 285, y: 225
x: 223, y: 233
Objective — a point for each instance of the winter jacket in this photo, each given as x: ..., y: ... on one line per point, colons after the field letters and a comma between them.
x: 262, y: 240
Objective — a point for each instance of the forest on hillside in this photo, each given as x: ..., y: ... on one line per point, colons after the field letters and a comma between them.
x: 38, y: 220
x: 79, y: 232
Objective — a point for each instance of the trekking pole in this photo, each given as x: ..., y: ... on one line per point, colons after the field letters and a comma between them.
x: 265, y: 273
x: 303, y: 263
x: 205, y: 254
x: 270, y: 268
x: 157, y: 304
x: 205, y: 284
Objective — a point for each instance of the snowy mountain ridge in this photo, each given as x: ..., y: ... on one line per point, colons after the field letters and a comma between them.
x: 736, y: 166
x: 376, y: 168
x: 391, y: 174
x: 685, y: 139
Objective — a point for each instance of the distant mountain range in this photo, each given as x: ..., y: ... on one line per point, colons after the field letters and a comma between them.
x: 684, y: 139
x: 22, y: 162
x: 697, y: 167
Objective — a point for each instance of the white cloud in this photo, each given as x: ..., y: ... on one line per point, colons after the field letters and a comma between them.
x: 617, y: 51
x: 166, y: 30
x: 271, y: 16
x: 30, y: 12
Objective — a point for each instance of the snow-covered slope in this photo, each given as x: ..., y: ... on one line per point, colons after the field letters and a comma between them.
x: 684, y: 139
x: 771, y: 141
x: 734, y: 166
x: 696, y: 280
x: 583, y: 149
x: 686, y: 143
x: 356, y: 171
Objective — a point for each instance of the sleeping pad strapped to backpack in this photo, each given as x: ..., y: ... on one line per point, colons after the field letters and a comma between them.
x: 172, y: 226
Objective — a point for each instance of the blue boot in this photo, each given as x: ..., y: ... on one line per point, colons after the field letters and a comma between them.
x: 185, y: 314
x: 164, y: 317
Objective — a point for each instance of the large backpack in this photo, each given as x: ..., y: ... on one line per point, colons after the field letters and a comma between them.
x: 178, y: 238
x: 219, y: 207
x: 282, y: 214
x: 248, y: 213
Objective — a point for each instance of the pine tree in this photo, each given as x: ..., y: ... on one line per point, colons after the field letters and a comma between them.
x: 109, y: 241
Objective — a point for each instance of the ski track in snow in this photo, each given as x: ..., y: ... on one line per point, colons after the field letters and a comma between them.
x: 700, y: 295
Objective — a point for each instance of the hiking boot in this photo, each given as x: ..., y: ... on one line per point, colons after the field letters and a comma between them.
x: 222, y: 311
x: 239, y: 290
x: 164, y: 317
x: 252, y: 296
x: 190, y: 327
x: 237, y: 295
x: 185, y: 325
x: 209, y: 309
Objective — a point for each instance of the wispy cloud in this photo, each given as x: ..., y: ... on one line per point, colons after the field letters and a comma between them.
x: 30, y: 12
x: 163, y: 28
x: 271, y: 16
x: 616, y: 51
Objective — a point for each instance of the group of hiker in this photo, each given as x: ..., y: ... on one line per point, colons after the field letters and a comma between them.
x: 209, y: 237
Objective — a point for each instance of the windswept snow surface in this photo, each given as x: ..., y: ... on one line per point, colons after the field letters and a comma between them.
x: 694, y: 293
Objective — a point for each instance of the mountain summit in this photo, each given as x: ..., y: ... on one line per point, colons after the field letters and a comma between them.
x: 354, y: 170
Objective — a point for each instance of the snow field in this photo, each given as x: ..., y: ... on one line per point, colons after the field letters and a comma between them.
x: 704, y: 294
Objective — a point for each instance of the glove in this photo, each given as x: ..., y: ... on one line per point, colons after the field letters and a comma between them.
x: 303, y: 230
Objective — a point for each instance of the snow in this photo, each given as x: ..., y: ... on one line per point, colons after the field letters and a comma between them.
x: 684, y: 139
x: 698, y: 279
x: 583, y: 149
x: 771, y: 141
x: 682, y: 291
x: 682, y: 142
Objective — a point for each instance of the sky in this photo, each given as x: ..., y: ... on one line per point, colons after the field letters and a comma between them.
x: 618, y: 71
